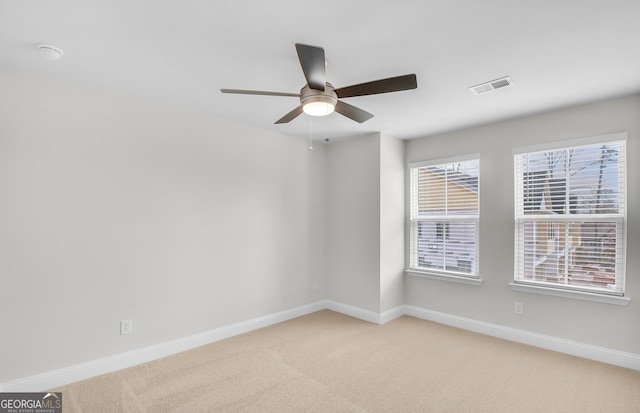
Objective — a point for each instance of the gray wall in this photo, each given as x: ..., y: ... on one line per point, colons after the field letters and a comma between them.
x: 113, y: 208
x: 365, y: 196
x: 392, y: 171
x: 353, y: 226
x: 606, y: 325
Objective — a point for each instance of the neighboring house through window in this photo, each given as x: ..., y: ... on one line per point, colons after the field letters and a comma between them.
x: 442, y: 230
x: 570, y: 215
x: 444, y: 216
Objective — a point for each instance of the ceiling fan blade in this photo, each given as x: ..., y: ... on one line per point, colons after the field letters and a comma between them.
x: 313, y: 65
x: 392, y: 84
x: 290, y: 116
x: 258, y: 92
x: 352, y: 112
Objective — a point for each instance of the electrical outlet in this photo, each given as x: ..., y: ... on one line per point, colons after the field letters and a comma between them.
x: 315, y: 286
x: 518, y: 308
x: 126, y: 327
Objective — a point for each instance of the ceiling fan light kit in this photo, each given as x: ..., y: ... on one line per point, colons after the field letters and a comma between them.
x: 319, y: 98
x: 318, y: 103
x: 318, y: 108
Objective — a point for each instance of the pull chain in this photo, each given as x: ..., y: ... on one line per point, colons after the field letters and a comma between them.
x: 310, y: 135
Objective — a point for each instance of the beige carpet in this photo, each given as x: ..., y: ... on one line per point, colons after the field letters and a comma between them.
x: 329, y: 362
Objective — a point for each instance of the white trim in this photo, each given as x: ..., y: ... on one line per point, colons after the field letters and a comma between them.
x: 444, y: 277
x: 366, y: 315
x: 391, y: 315
x: 356, y: 312
x: 82, y: 371
x: 602, y: 354
x: 430, y: 162
x: 558, y: 145
x: 565, y: 293
x: 578, y: 218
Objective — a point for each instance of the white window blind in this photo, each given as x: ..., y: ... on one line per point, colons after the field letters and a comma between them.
x: 570, y: 217
x: 444, y: 217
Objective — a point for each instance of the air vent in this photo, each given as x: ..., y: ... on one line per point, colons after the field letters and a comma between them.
x: 491, y: 86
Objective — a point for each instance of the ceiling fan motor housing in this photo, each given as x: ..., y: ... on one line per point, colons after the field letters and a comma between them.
x: 328, y: 95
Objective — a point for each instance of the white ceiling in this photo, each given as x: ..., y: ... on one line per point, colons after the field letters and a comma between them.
x: 558, y: 53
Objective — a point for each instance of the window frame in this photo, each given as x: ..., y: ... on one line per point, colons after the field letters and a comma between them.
x: 590, y: 293
x: 442, y: 222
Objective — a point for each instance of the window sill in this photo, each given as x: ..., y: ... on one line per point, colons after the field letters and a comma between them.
x: 578, y: 295
x: 445, y: 277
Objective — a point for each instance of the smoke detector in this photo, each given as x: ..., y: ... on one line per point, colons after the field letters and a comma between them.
x: 49, y: 52
x: 491, y: 85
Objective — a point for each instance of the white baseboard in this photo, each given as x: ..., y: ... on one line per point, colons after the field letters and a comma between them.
x: 392, y: 314
x: 366, y: 315
x: 356, y: 312
x: 602, y: 354
x: 60, y: 377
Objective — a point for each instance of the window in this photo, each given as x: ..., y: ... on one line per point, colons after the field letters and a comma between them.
x: 444, y: 216
x: 570, y: 216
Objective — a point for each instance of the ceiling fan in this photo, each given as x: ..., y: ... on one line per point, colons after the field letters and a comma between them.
x: 319, y: 98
